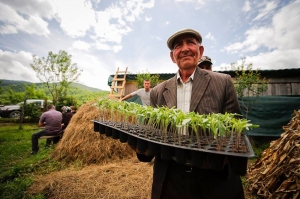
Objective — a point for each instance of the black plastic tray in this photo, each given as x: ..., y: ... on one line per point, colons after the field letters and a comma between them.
x: 238, y: 160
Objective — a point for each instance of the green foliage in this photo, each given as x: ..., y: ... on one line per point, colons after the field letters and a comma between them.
x: 16, y: 93
x: 33, y: 112
x: 17, y: 165
x: 154, y: 79
x: 248, y: 83
x: 259, y: 147
x: 13, y: 97
x: 77, y: 93
x: 57, y: 72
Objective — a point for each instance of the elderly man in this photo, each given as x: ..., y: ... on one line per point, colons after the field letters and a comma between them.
x: 204, y: 92
x: 205, y: 63
x: 52, y: 120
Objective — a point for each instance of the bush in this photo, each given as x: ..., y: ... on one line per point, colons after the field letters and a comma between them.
x: 33, y: 112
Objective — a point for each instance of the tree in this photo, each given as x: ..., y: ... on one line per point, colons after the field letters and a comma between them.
x: 154, y: 79
x: 31, y: 110
x: 57, y: 72
x: 248, y: 83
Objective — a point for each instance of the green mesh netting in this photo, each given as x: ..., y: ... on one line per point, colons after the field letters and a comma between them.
x: 271, y: 113
x: 135, y: 99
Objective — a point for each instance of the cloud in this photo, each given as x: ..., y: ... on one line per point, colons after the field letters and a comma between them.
x: 115, y: 21
x: 96, y: 71
x: 281, y: 34
x: 20, y: 21
x: 76, y: 17
x: 134, y: 8
x: 81, y: 45
x: 43, y: 9
x: 16, y: 66
x: 8, y: 29
x: 210, y: 36
x: 199, y: 3
x: 267, y: 10
x: 277, y: 59
x: 246, y: 6
x: 148, y: 18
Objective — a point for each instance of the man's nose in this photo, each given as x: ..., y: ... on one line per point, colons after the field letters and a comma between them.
x: 185, y: 47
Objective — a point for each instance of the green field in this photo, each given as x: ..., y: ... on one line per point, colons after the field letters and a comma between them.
x: 18, y: 166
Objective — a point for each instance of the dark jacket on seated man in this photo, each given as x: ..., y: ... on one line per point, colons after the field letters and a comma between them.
x: 66, y: 118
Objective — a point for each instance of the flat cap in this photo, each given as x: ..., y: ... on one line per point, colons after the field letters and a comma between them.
x: 183, y: 32
x: 205, y: 59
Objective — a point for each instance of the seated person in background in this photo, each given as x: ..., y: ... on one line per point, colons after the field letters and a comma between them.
x: 73, y: 109
x: 52, y: 120
x: 66, y: 117
x: 205, y: 63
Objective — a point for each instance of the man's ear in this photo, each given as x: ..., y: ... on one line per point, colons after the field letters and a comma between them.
x: 171, y: 55
x: 201, y: 49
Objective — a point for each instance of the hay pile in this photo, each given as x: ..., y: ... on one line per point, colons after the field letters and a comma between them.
x: 125, y: 179
x: 277, y: 173
x: 116, y: 174
x: 81, y: 143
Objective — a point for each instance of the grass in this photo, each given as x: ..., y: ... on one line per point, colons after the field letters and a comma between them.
x: 18, y: 166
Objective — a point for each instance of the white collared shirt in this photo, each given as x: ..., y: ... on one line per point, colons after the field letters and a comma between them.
x: 184, y: 93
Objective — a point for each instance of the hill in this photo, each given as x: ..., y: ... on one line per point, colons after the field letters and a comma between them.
x: 18, y: 85
x: 80, y: 92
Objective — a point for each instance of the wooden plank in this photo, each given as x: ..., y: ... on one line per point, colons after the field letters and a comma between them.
x: 117, y: 86
x: 119, y: 79
x: 49, y: 136
x: 295, y: 88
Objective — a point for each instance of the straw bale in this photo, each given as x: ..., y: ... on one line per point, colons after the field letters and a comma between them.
x: 125, y: 179
x: 81, y: 143
x: 277, y: 173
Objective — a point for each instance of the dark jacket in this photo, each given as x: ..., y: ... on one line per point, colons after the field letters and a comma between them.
x: 211, y: 93
x: 66, y: 119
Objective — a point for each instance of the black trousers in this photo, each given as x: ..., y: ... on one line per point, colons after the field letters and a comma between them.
x: 35, y: 139
x: 195, y: 183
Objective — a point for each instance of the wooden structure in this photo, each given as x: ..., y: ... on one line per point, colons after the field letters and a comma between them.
x: 280, y: 82
x: 118, y: 84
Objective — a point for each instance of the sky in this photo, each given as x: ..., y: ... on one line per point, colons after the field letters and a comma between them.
x: 103, y: 35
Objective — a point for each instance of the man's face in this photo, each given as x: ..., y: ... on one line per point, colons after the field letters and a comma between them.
x: 186, y: 52
x: 147, y: 84
x: 205, y: 65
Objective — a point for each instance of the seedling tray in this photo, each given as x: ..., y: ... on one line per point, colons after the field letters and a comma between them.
x: 208, y: 149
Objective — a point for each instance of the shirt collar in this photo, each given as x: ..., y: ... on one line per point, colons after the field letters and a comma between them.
x: 179, y: 78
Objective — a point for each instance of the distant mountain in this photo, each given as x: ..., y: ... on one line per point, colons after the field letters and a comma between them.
x: 80, y: 92
x: 18, y: 85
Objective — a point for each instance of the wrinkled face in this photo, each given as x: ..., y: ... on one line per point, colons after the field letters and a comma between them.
x: 147, y: 84
x: 186, y: 52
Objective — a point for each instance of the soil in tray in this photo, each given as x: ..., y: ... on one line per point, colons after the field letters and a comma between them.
x: 206, y: 144
x: 223, y: 144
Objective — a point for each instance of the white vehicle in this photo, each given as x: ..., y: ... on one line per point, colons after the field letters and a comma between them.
x: 14, y: 111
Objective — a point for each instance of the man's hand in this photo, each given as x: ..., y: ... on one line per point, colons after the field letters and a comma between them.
x: 42, y: 124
